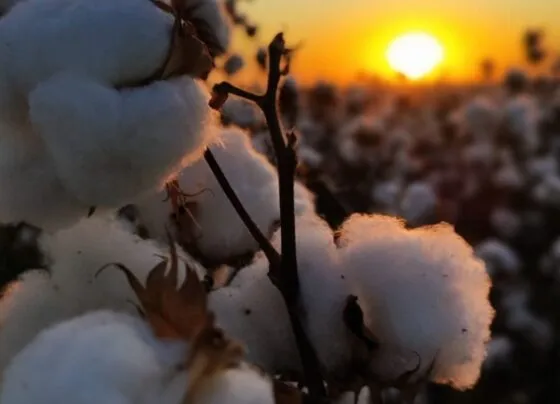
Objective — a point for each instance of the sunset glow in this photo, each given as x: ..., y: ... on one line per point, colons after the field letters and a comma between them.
x: 414, y: 55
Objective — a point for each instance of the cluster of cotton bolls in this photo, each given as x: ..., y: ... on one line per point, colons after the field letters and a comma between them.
x: 72, y: 315
x: 484, y: 160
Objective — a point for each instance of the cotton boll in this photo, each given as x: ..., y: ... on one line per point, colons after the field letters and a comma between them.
x: 99, y: 357
x: 499, y: 258
x: 479, y: 154
x: 72, y: 288
x: 547, y: 191
x: 499, y: 355
x: 304, y: 200
x: 550, y: 263
x: 32, y: 191
x: 222, y: 233
x: 521, y: 118
x: 218, y: 231
x: 62, y: 35
x: 254, y: 313
x: 508, y: 176
x: 252, y: 310
x: 242, y: 113
x: 506, y: 223
x: 238, y: 386
x: 386, y: 196
x: 324, y: 290
x: 480, y: 118
x: 114, y: 146
x: 421, y: 290
x: 419, y: 204
x: 310, y: 157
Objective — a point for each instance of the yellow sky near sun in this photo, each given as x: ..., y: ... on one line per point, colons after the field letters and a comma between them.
x: 343, y: 37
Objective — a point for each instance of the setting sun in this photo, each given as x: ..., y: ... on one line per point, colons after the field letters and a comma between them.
x: 414, y: 55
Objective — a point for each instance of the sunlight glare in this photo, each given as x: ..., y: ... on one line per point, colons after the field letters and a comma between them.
x: 414, y: 55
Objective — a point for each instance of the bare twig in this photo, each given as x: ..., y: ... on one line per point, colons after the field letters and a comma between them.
x: 285, y: 275
x: 271, y: 254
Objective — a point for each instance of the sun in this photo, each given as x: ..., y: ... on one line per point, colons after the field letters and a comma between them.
x: 414, y: 55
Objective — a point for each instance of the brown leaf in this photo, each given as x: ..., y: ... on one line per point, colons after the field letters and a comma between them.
x: 193, y: 44
x: 188, y: 55
x: 173, y: 312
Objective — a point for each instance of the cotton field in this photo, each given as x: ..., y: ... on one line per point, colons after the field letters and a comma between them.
x: 169, y: 237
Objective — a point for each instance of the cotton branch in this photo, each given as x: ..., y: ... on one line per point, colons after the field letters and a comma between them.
x: 285, y: 275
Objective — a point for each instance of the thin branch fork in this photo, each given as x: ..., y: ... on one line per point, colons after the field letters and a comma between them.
x: 285, y: 274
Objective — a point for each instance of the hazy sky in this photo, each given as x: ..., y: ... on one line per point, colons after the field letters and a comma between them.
x: 342, y: 37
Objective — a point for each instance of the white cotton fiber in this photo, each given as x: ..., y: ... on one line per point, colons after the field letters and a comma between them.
x: 419, y: 203
x: 500, y: 351
x: 480, y: 118
x: 107, y: 40
x: 521, y: 118
x: 102, y: 357
x: 499, y: 257
x: 254, y: 313
x: 113, y: 145
x: 421, y: 290
x: 323, y: 290
x: 107, y: 357
x: 506, y: 222
x: 218, y: 230
x: 32, y: 191
x: 122, y: 139
x: 238, y: 386
x: 72, y: 289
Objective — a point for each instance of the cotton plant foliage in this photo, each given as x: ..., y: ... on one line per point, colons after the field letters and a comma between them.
x: 123, y: 139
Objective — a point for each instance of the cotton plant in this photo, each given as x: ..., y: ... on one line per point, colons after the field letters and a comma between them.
x: 215, y: 228
x: 421, y: 291
x: 174, y: 354
x: 400, y: 277
x: 252, y: 311
x: 142, y: 114
x: 72, y: 287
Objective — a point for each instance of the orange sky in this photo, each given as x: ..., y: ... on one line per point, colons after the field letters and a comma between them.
x: 342, y: 37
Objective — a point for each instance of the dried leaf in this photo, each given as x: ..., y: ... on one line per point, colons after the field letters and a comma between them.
x: 193, y: 44
x: 173, y: 312
x: 188, y: 55
x: 181, y: 312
